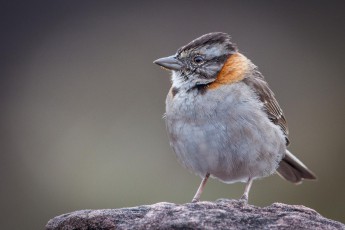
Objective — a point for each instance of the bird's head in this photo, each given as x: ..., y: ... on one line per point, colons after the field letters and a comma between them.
x: 200, y: 61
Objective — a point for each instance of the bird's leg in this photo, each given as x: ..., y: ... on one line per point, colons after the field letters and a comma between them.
x: 197, y: 195
x: 245, y: 195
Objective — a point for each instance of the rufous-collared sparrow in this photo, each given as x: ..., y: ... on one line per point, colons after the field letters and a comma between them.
x: 222, y: 118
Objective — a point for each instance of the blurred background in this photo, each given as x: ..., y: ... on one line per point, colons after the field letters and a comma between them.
x: 82, y: 103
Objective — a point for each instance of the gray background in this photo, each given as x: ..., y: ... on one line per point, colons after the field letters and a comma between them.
x: 82, y: 103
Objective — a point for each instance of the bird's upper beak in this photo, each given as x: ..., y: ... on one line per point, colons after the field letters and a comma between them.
x: 170, y: 63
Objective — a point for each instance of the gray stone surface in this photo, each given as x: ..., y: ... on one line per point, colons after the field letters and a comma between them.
x: 222, y: 214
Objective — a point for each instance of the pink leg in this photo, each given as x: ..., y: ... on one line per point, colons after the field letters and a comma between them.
x: 246, y: 190
x: 200, y: 189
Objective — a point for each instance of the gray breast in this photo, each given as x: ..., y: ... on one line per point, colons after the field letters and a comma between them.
x: 225, y: 132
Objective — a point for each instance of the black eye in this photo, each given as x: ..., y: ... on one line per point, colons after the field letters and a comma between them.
x: 198, y: 59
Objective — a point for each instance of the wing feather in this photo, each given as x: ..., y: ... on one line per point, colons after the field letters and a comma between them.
x: 266, y: 96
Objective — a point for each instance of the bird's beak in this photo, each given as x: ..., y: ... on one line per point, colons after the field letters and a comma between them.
x: 170, y: 63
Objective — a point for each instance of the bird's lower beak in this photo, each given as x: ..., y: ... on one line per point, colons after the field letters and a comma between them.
x: 170, y: 63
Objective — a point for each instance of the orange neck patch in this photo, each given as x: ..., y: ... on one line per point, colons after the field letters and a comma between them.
x: 233, y: 70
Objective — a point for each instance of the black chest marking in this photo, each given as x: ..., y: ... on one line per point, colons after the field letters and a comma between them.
x: 174, y: 91
x: 200, y: 89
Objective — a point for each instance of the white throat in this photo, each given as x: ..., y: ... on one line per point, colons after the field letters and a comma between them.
x: 183, y: 84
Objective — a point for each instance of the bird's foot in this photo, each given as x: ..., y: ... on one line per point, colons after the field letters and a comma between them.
x: 244, y: 199
x: 195, y: 200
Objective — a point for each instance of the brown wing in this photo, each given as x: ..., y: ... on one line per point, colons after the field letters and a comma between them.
x: 273, y: 110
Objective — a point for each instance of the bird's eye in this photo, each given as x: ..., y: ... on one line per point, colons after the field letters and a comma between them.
x: 198, y: 59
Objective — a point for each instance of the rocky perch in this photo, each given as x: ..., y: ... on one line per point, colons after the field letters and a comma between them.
x: 221, y: 214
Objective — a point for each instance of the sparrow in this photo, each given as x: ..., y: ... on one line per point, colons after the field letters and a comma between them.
x: 223, y: 119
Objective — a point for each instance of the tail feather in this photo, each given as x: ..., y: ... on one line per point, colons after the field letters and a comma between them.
x: 293, y: 170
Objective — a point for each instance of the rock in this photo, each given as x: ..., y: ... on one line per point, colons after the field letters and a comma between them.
x: 222, y: 214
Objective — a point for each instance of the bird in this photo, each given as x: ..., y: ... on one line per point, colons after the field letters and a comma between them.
x: 223, y: 120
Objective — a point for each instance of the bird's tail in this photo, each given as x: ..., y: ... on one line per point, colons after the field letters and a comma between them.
x: 293, y: 170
